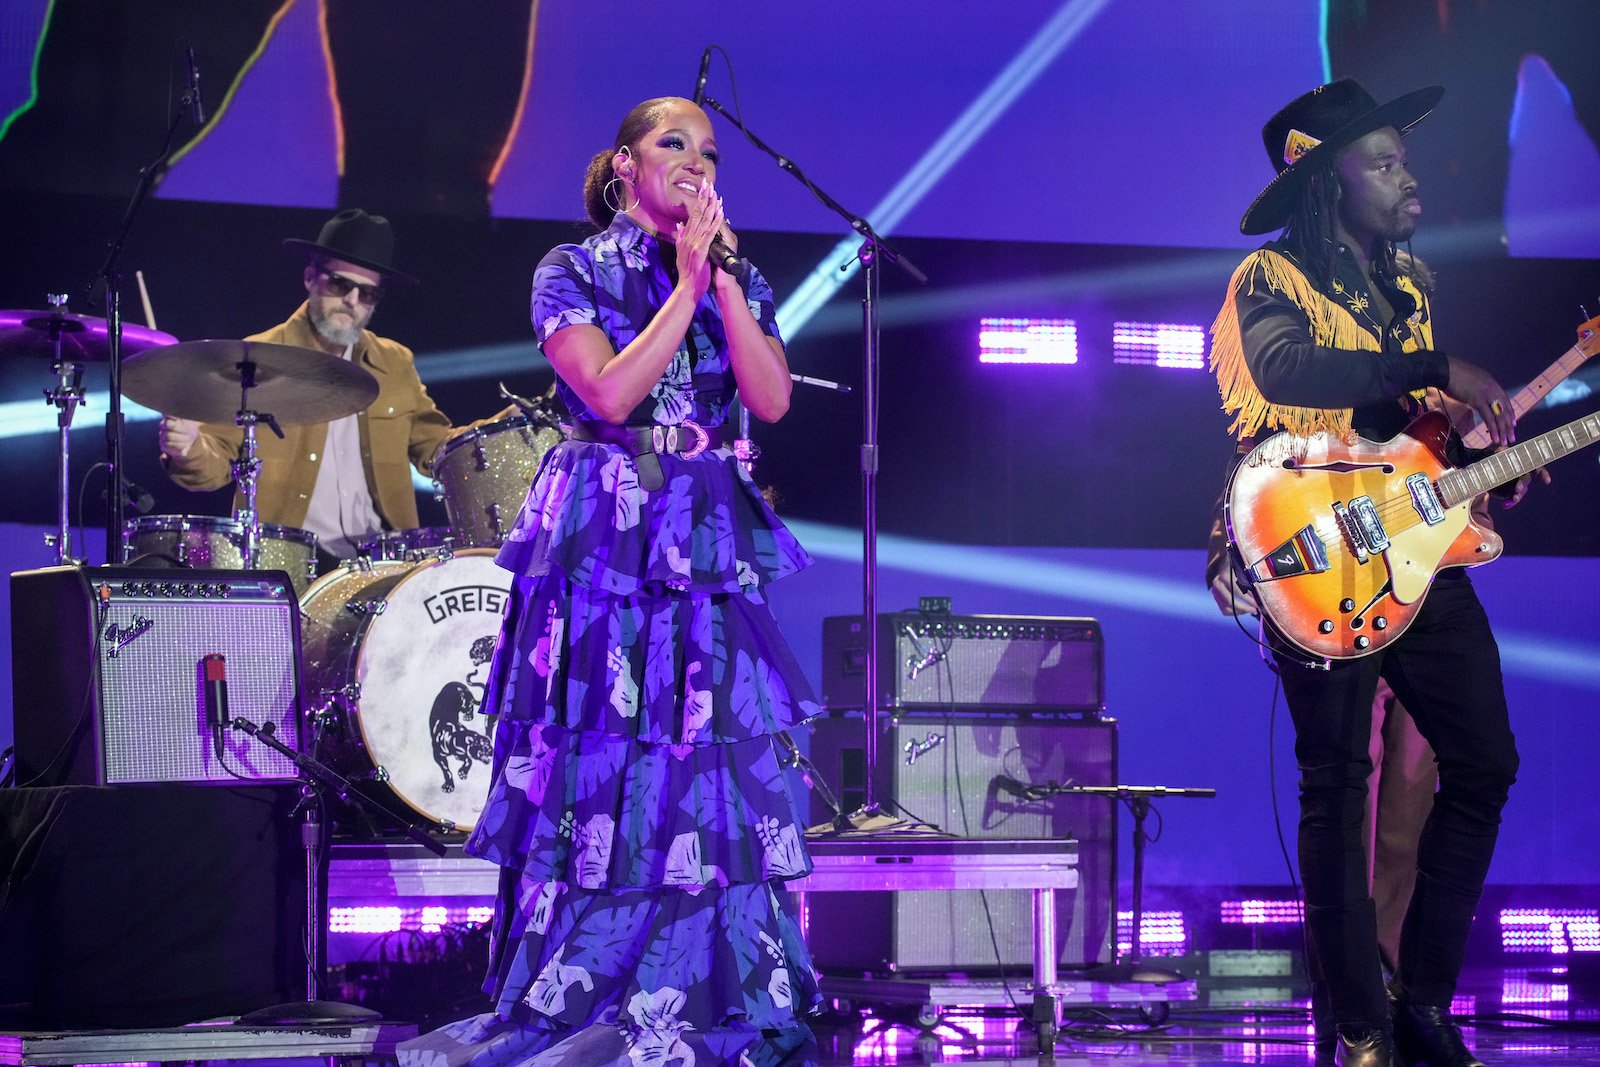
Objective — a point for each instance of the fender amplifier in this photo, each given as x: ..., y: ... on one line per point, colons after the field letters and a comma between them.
x: 979, y: 662
x: 966, y: 773
x: 106, y: 673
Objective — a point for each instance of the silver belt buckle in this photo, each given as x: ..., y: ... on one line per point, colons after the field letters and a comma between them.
x: 701, y: 438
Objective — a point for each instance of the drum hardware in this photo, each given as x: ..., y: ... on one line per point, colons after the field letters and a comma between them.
x: 494, y: 517
x: 69, y: 341
x: 366, y: 607
x: 196, y: 380
x: 479, y: 456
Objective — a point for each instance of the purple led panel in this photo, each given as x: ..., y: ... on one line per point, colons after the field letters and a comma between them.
x: 1159, y: 344
x: 1027, y: 341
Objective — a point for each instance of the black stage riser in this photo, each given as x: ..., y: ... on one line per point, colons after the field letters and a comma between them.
x: 143, y: 906
x: 964, y: 784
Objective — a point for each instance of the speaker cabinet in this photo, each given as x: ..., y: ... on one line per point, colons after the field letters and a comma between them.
x: 977, y: 663
x: 963, y: 773
x: 106, y: 673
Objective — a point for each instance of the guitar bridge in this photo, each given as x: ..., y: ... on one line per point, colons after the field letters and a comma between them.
x: 1304, y: 553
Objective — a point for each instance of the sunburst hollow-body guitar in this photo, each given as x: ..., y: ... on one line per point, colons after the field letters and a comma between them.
x: 1341, y: 538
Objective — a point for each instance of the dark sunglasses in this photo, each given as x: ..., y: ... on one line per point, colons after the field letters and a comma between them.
x: 340, y: 286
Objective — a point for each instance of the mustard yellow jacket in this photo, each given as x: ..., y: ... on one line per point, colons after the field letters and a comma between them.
x: 401, y: 428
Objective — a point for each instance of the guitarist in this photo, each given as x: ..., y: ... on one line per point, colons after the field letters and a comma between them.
x: 1326, y: 328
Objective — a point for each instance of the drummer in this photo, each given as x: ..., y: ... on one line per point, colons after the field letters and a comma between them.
x: 344, y: 480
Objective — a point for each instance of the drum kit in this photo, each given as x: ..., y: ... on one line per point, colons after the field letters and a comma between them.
x: 396, y: 642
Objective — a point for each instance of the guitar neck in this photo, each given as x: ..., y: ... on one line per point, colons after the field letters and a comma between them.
x: 1512, y: 463
x: 1525, y: 399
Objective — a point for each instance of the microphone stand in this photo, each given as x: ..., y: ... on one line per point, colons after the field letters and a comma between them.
x: 1130, y: 968
x: 316, y: 776
x: 108, y: 277
x: 747, y: 451
x: 873, y: 249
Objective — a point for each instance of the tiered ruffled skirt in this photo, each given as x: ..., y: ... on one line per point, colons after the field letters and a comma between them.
x: 639, y: 811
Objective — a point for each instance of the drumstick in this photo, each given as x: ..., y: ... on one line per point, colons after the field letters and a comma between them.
x: 144, y: 298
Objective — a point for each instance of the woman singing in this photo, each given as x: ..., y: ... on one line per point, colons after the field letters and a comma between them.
x: 639, y: 810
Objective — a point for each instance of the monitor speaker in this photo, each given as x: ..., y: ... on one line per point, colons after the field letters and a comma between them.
x: 963, y: 773
x: 107, y: 682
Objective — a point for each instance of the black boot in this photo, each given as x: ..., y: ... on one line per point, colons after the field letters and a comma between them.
x: 1358, y: 1047
x: 1427, y: 1035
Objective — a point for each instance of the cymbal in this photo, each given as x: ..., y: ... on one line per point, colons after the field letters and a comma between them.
x: 84, y: 339
x: 200, y: 380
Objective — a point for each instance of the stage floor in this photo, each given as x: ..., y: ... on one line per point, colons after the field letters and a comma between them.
x: 1521, y: 1019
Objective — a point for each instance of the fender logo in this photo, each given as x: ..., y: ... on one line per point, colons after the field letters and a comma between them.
x: 463, y: 598
x: 120, y: 637
x: 915, y: 749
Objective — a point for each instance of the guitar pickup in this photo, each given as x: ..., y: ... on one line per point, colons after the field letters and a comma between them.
x: 1365, y: 514
x: 1303, y: 553
x: 1425, y: 499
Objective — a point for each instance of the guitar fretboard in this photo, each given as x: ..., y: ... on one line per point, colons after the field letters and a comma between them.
x: 1524, y: 399
x: 1512, y: 463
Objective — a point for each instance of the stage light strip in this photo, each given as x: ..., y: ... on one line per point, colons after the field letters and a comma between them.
x: 1027, y: 341
x: 1017, y: 76
x: 1160, y: 933
x: 389, y: 918
x: 1159, y: 344
x: 1550, y: 930
x: 33, y: 73
x: 522, y: 100
x: 1261, y: 912
x: 333, y: 85
x: 233, y: 88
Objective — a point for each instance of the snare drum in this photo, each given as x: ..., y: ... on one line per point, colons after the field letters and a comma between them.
x: 206, y: 541
x: 485, y: 474
x: 403, y: 649
x: 411, y: 545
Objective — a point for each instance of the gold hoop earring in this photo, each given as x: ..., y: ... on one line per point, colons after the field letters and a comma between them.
x: 613, y: 198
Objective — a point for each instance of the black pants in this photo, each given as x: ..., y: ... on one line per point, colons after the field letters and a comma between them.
x: 1446, y: 670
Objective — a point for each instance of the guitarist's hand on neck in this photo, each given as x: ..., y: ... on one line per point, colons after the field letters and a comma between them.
x: 1473, y: 386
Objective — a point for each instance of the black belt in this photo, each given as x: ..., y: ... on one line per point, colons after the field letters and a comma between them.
x: 646, y: 443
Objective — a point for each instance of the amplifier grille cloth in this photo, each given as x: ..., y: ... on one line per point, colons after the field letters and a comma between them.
x: 154, y: 715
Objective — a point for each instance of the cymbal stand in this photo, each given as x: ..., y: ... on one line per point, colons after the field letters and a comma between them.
x: 65, y: 396
x: 247, y: 467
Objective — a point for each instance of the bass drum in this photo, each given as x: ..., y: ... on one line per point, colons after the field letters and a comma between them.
x: 403, y: 650
x: 485, y: 474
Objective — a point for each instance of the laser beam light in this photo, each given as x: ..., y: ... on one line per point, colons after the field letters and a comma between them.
x: 1027, y: 341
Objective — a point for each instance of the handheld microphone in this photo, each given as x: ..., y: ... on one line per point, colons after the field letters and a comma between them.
x: 214, y: 673
x: 197, y: 110
x: 726, y: 259
x: 700, y: 79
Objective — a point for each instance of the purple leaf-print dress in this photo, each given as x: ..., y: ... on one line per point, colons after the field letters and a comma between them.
x: 639, y: 811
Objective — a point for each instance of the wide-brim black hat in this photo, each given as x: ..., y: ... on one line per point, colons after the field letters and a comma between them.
x: 355, y: 237
x: 1313, y: 128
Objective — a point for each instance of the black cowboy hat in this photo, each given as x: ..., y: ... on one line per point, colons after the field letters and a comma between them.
x: 1313, y: 128
x: 355, y: 237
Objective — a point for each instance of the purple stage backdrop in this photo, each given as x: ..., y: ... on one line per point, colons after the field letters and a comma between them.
x: 1097, y: 121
